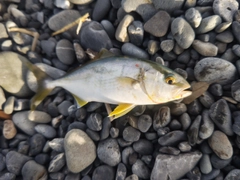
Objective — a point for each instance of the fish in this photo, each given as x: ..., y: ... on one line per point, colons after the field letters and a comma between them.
x: 120, y: 80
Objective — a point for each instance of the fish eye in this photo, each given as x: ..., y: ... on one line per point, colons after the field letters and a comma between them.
x: 170, y: 80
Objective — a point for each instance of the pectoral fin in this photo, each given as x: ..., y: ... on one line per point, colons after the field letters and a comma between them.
x: 127, y: 81
x: 80, y: 102
x: 121, y: 110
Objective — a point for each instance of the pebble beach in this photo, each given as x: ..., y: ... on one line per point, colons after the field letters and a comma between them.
x: 196, y: 138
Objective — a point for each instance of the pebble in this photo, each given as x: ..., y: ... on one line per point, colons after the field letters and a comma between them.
x: 130, y: 49
x: 169, y: 150
x: 233, y: 174
x: 63, y: 4
x: 144, y: 122
x: 174, y: 167
x: 94, y: 122
x: 195, y: 107
x: 167, y: 45
x: 9, y: 130
x: 109, y: 28
x: 2, y: 97
x: 209, y: 23
x: 131, y: 134
x: 114, y: 132
x: 205, y: 48
x: 106, y: 125
x: 218, y: 163
x: 225, y: 37
x: 126, y: 153
x: 185, y: 121
x: 132, y: 177
x: 153, y: 47
x: 77, y: 141
x: 194, y: 130
x: 123, y: 143
x: 221, y: 145
x: 214, y: 173
x: 172, y: 138
x: 177, y: 109
x: 65, y: 51
x: 3, y: 30
x: 121, y: 31
x: 7, y: 175
x: 81, y: 2
x: 103, y: 172
x: 46, y: 130
x: 15, y: 162
x: 167, y: 5
x: 216, y: 89
x: 182, y: 32
x: 132, y: 120
x: 225, y: 8
x: 34, y: 171
x: 48, y: 46
x: 207, y: 126
x: 141, y: 170
x: 221, y: 116
x: 143, y: 147
x: 194, y: 17
x: 236, y: 49
x: 184, y: 146
x: 37, y: 142
x: 42, y: 159
x: 161, y: 118
x: 93, y: 134
x: 129, y: 5
x: 136, y: 33
x: 206, y: 99
x: 121, y: 172
x: 9, y: 105
x: 2, y: 162
x: 158, y: 24
x: 57, y: 163
x: 235, y: 90
x: 215, y: 70
x: 101, y: 9
x: 38, y: 116
x: 57, y: 144
x: 205, y: 164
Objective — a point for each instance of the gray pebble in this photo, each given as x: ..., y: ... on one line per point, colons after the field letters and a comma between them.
x: 109, y: 28
x: 144, y: 123
x: 205, y: 164
x: 153, y: 47
x: 81, y: 114
x: 235, y: 90
x: 167, y: 5
x: 9, y: 105
x: 163, y: 131
x: 123, y: 143
x: 116, y: 3
x: 81, y: 2
x: 57, y: 163
x: 15, y: 162
x: 57, y: 144
x: 48, y: 47
x: 225, y: 8
x: 222, y: 27
x: 174, y: 167
x: 103, y: 172
x: 193, y: 16
x: 52, y: 109
x: 169, y: 150
x: 185, y: 121
x: 221, y: 116
x: 126, y: 153
x: 94, y: 37
x: 216, y: 89
x: 65, y: 51
x: 208, y: 24
x: 21, y: 104
x: 205, y: 148
x: 131, y: 134
x: 7, y: 175
x: 158, y: 24
x: 79, y: 52
x: 101, y: 9
x: 93, y: 134
x: 195, y: 173
x: 207, y: 126
x: 114, y: 132
x: 121, y: 172
x: 220, y: 145
x: 92, y: 106
x: 215, y: 70
x: 63, y: 4
x: 167, y: 45
x: 184, y: 146
x: 132, y: 177
x: 106, y: 125
x: 161, y: 118
x: 234, y: 174
x: 205, y: 48
x: 143, y: 147
x: 46, y: 130
x: 218, y: 163
x: 72, y: 176
x: 37, y: 143
x: 172, y: 138
x: 178, y: 109
x: 134, y: 51
x: 108, y: 152
x: 194, y: 130
x: 63, y: 107
x: 175, y: 125
x: 225, y: 37
x: 138, y: 110
x: 141, y: 170
x: 214, y: 173
x: 206, y: 99
x: 34, y: 171
x: 195, y: 107
x: 136, y: 33
x: 236, y: 49
x: 2, y: 162
x: 229, y: 55
x: 184, y: 57
x: 94, y: 122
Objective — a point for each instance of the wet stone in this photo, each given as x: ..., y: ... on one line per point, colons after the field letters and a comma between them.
x: 144, y: 122
x: 141, y: 170
x: 65, y: 51
x: 46, y: 130
x: 194, y: 130
x: 131, y: 134
x: 185, y: 121
x: 130, y: 49
x: 57, y: 163
x: 9, y: 130
x: 34, y: 171
x: 161, y: 118
x: 221, y: 145
x: 94, y: 122
x: 207, y: 126
x: 101, y: 9
x: 208, y: 24
x: 218, y: 163
x: 136, y: 32
x: 172, y: 138
x: 121, y: 172
x: 193, y: 16
x: 143, y: 147
x: 221, y: 116
x: 184, y: 146
x: 37, y: 143
x: 205, y: 164
x: 169, y: 150
x: 103, y: 172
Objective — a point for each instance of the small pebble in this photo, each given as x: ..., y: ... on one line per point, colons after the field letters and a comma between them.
x: 167, y: 5
x: 143, y: 147
x: 205, y: 48
x: 65, y: 51
x: 93, y: 134
x: 34, y: 171
x: 130, y: 49
x: 214, y: 173
x: 167, y: 45
x: 178, y: 109
x: 195, y: 107
x: 161, y: 118
x: 103, y: 172
x: 205, y: 164
x: 136, y: 33
x: 141, y: 170
x: 42, y: 159
x: 194, y: 130
x: 169, y: 150
x: 63, y: 107
x: 101, y: 9
x: 208, y: 24
x: 175, y: 125
x: 132, y: 177
x: 57, y: 144
x: 235, y: 90
x: 131, y: 134
x: 184, y: 146
x: 144, y: 123
x: 206, y: 99
x: 153, y: 47
x: 185, y: 121
x: 9, y: 105
x: 57, y: 163
x: 9, y: 130
x: 37, y: 143
x: 234, y: 174
x: 207, y: 126
x: 193, y: 16
x: 121, y: 172
x: 218, y: 163
x: 109, y: 28
x: 172, y: 138
x: 46, y: 130
x: 126, y: 153
x: 94, y: 122
x: 216, y: 89
x: 114, y: 132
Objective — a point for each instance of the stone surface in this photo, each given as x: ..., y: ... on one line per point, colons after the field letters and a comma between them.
x: 161, y: 118
x: 101, y: 9
x: 37, y: 142
x: 130, y: 49
x: 77, y: 141
x: 141, y: 170
x: 46, y: 130
x: 57, y: 163
x: 205, y: 48
x: 208, y: 24
x: 143, y: 147
x: 65, y: 51
x: 193, y: 16
x: 131, y: 134
x: 172, y: 138
x: 103, y: 172
x: 9, y: 130
x: 167, y: 5
x: 207, y: 126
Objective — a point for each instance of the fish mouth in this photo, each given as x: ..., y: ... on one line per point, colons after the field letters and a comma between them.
x: 184, y: 92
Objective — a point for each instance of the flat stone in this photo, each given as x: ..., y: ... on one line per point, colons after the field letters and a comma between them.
x: 77, y: 141
x: 65, y: 51
x: 208, y: 24
x: 34, y: 171
x: 172, y: 138
x: 46, y: 130
x: 225, y: 37
x: 205, y: 48
x: 193, y: 131
x: 131, y: 134
x: 144, y: 122
x: 220, y: 145
x: 174, y: 167
x: 9, y: 130
x: 205, y: 164
x: 215, y: 70
x: 143, y: 147
x: 38, y: 116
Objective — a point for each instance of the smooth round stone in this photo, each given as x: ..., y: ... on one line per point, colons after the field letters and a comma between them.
x: 195, y: 107
x: 168, y: 5
x: 222, y: 27
x: 212, y: 175
x: 37, y: 143
x: 158, y: 24
x: 38, y: 116
x: 21, y: 120
x: 9, y: 131
x: 182, y: 32
x: 235, y: 90
x: 136, y: 32
x: 207, y: 126
x: 220, y: 145
x: 131, y: 134
x: 101, y: 9
x: 141, y: 170
x: 177, y: 109
x: 77, y: 141
x: 42, y: 159
x: 57, y: 163
x: 65, y: 51
x: 206, y: 99
x: 236, y: 30
x: 132, y: 177
x: 130, y: 49
x: 103, y: 172
x: 109, y: 28
x: 221, y: 116
x: 236, y: 49
x: 15, y: 162
x: 208, y: 24
x: 205, y: 48
x: 121, y: 172
x: 185, y: 121
x: 172, y: 138
x: 81, y: 2
x: 106, y: 125
x: 9, y: 105
x: 93, y: 134
x: 215, y: 70
x: 2, y: 162
x: 34, y: 171
x: 62, y: 19
x: 225, y: 8
x: 63, y: 4
x: 126, y: 153
x: 153, y: 47
x: 194, y: 17
x: 225, y: 37
x: 108, y: 152
x: 57, y: 144
x: 205, y: 164
x: 48, y: 46
x: 121, y: 31
x: 169, y: 150
x: 94, y: 122
x: 144, y: 122
x: 184, y: 146
x: 14, y: 67
x: 46, y: 130
x: 216, y: 89
x: 63, y: 107
x: 94, y: 37
x: 161, y: 118
x: 233, y: 174
x: 167, y: 45
x: 143, y: 147
x: 219, y: 163
x: 194, y: 130
x: 114, y: 132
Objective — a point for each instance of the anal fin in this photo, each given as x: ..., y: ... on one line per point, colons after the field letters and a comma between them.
x: 121, y: 110
x: 80, y: 102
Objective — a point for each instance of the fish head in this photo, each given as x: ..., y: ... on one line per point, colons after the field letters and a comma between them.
x: 163, y: 85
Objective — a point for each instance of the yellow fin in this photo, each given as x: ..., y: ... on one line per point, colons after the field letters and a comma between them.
x: 128, y: 81
x: 121, y: 110
x: 104, y: 53
x: 79, y: 101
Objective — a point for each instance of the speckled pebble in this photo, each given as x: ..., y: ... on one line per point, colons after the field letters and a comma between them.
x: 207, y: 126
x: 136, y: 32
x: 57, y: 144
x: 193, y: 16
x: 194, y: 130
x: 37, y: 142
x: 184, y: 146
x: 63, y: 107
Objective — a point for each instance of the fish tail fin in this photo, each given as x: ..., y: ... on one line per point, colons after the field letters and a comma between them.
x: 45, y: 86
